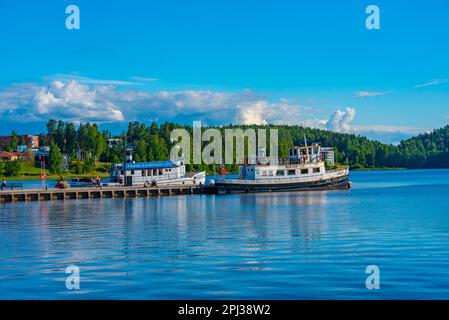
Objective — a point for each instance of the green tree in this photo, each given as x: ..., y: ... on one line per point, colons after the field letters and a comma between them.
x: 2, y: 168
x: 55, y: 159
x: 12, y: 168
x: 70, y: 139
x: 88, y: 164
x: 12, y: 144
x: 140, y: 154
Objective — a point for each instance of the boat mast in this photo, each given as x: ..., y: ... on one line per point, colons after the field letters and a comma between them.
x: 307, y: 149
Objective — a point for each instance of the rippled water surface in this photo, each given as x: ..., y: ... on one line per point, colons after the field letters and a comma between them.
x: 261, y: 246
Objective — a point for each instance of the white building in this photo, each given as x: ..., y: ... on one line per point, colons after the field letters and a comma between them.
x: 328, y: 154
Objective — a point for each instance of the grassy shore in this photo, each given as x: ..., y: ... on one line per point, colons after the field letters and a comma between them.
x: 65, y: 175
x: 30, y: 173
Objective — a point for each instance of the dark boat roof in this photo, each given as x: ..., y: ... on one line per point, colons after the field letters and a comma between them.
x: 150, y: 165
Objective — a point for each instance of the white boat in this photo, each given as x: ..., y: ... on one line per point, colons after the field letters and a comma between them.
x: 304, y: 169
x: 158, y: 173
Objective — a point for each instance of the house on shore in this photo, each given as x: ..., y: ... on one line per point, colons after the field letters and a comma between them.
x: 12, y: 156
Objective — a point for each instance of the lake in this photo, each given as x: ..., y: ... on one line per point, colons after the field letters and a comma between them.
x: 298, y: 245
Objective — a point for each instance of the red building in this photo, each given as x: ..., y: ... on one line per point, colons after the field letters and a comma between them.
x: 31, y: 141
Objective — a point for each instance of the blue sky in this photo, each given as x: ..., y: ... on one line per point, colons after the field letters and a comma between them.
x: 304, y: 62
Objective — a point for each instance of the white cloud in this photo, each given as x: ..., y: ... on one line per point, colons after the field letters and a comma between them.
x: 252, y: 112
x: 92, y: 81
x: 282, y: 112
x: 145, y: 79
x: 340, y: 121
x: 389, y: 129
x: 75, y: 101
x: 388, y: 133
x: 68, y: 101
x: 365, y: 94
x: 431, y: 83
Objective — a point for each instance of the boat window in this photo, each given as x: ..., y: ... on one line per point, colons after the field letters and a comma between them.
x: 316, y: 170
x: 304, y: 171
x: 132, y: 172
x: 160, y: 172
x: 280, y: 173
x: 144, y: 173
x: 291, y: 172
x: 122, y: 172
x: 154, y: 172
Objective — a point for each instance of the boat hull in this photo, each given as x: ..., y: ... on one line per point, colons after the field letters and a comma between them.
x: 337, y: 183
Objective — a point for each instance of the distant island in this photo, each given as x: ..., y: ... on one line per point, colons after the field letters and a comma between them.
x: 86, y: 150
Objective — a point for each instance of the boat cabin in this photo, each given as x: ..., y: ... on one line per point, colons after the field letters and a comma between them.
x: 141, y: 173
x: 301, y: 162
x: 305, y: 154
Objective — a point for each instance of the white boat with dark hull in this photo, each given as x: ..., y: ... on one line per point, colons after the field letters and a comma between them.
x: 158, y: 173
x: 303, y: 170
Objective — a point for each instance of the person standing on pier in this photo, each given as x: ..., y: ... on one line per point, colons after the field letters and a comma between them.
x: 3, y: 184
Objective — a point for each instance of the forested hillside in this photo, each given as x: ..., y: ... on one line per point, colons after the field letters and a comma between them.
x: 153, y: 143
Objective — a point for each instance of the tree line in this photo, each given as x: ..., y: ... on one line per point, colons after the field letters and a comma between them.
x: 89, y: 144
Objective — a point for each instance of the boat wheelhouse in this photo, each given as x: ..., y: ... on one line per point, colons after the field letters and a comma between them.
x: 304, y: 169
x: 154, y: 173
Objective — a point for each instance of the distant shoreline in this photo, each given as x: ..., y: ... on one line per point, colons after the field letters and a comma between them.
x: 383, y: 169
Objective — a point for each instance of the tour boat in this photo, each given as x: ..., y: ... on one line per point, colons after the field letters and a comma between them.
x: 304, y: 169
x: 150, y: 174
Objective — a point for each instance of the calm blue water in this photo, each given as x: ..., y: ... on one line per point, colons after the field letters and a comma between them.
x: 276, y: 246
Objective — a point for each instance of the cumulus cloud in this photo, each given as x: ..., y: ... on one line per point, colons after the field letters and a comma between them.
x: 431, y: 83
x: 365, y: 94
x: 282, y: 112
x: 252, y: 112
x: 68, y: 101
x: 341, y: 120
x: 75, y: 101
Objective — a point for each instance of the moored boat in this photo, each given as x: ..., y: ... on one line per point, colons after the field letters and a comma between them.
x: 303, y: 170
x: 151, y: 174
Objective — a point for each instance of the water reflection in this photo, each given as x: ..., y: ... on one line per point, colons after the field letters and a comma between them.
x: 272, y: 245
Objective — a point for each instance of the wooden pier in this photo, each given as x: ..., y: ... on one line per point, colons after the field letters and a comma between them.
x: 95, y: 193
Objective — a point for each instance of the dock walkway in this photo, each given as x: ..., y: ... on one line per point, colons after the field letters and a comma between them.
x: 91, y: 193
